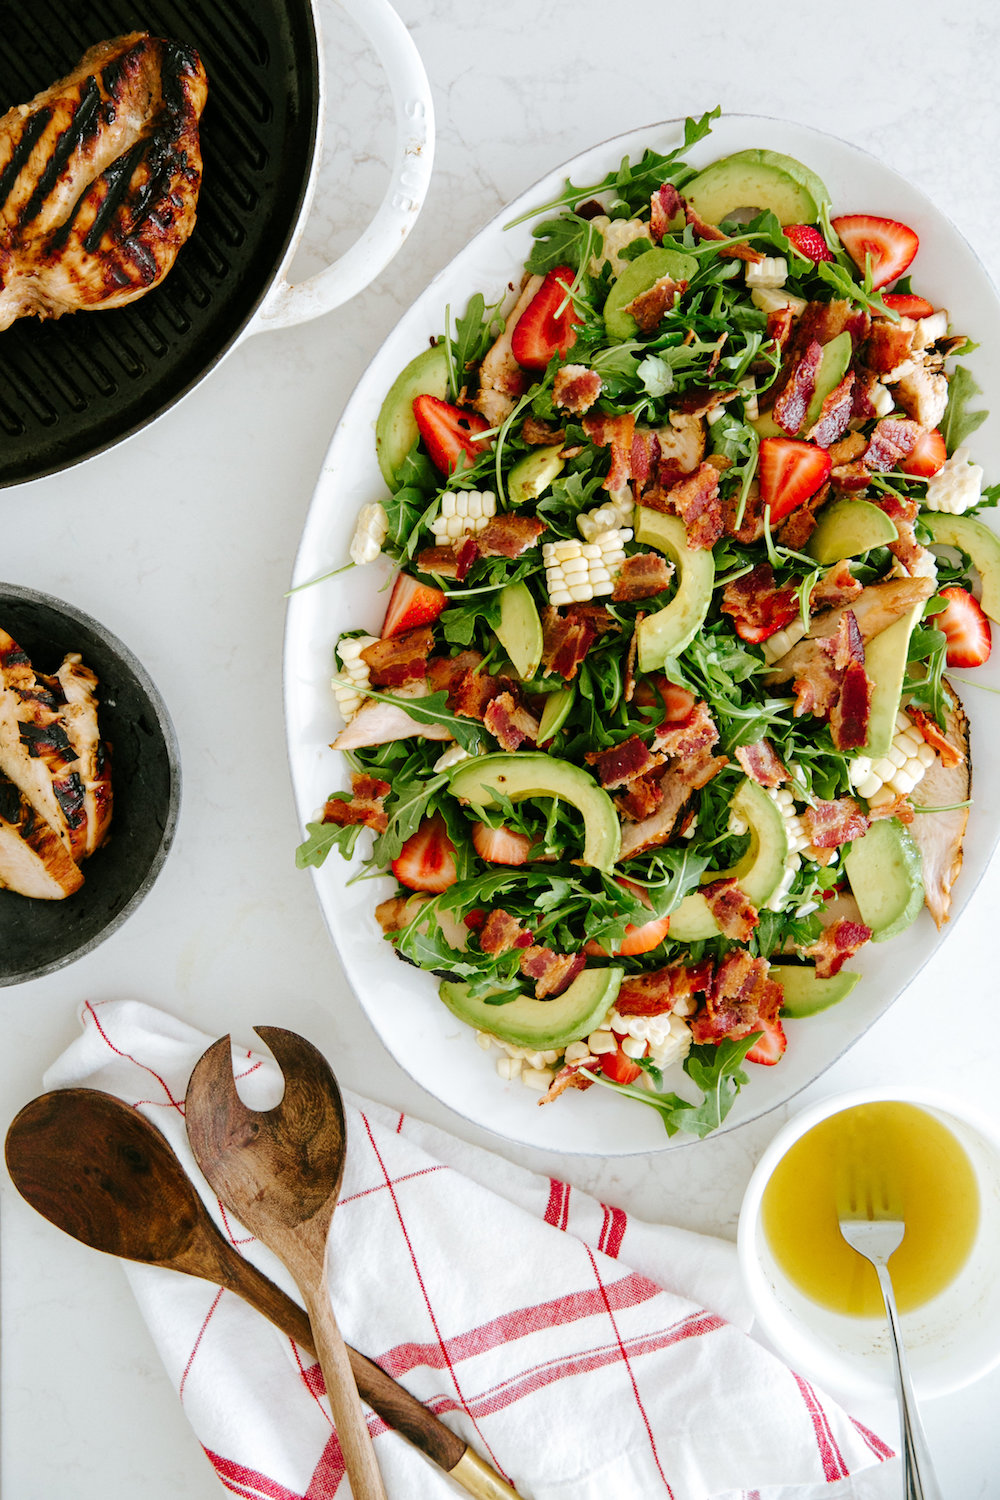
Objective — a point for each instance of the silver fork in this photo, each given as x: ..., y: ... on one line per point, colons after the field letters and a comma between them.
x: 871, y: 1225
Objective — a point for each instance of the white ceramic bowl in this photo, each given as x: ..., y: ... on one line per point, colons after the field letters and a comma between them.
x: 950, y: 1341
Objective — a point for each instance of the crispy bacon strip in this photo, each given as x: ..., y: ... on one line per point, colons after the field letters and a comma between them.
x: 575, y: 388
x: 741, y: 997
x: 705, y: 231
x: 676, y: 784
x: 552, y: 972
x: 850, y: 711
x: 834, y: 414
x: 689, y: 736
x: 541, y: 434
x: 835, y: 589
x: 695, y: 498
x: 469, y: 690
x: 892, y: 440
x: 830, y: 824
x: 568, y: 636
x: 736, y: 915
x: 903, y: 514
x: 508, y: 535
x: 366, y: 806
x: 651, y: 306
x: 623, y: 763
x: 835, y: 945
x: 761, y: 763
x: 664, y: 206
x: 887, y: 346
x: 400, y: 658
x: 501, y: 932
x: 442, y: 560
x: 617, y: 434
x: 755, y: 601
x: 790, y: 406
x: 510, y: 723
x: 569, y: 1077
x: 656, y: 993
x: 642, y: 576
x: 641, y: 797
x: 823, y: 321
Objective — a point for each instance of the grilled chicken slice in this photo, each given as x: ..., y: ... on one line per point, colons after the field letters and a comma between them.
x: 939, y: 835
x: 875, y: 608
x: 33, y: 861
x: 99, y: 179
x: 76, y: 685
x: 35, y: 752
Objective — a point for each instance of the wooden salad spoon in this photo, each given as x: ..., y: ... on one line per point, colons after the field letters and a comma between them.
x: 100, y: 1171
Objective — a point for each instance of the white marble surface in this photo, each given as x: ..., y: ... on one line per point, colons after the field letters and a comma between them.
x: 182, y: 541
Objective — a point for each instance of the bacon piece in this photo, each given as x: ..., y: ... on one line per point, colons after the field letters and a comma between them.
x: 823, y: 321
x: 903, y: 514
x: 651, y: 306
x: 699, y: 400
x: 934, y: 736
x: 508, y: 535
x: 400, y: 658
x: 552, y: 972
x: 685, y: 737
x: 835, y: 945
x: 835, y: 589
x: 740, y: 999
x: 641, y: 797
x: 366, y: 806
x: 901, y: 807
x: 677, y: 783
x: 862, y: 401
x: 790, y: 406
x: 853, y: 476
x: 892, y: 440
x: 569, y: 1077
x: 643, y: 455
x: 779, y: 326
x: 541, y: 434
x: 851, y: 710
x: 705, y: 231
x: 567, y: 637
x: 735, y: 914
x: 751, y: 527
x: 829, y: 824
x: 469, y: 690
x: 664, y: 206
x: 695, y: 498
x: 887, y: 346
x: 755, y: 602
x: 834, y: 414
x: 628, y: 685
x: 575, y: 388
x: 797, y: 528
x: 656, y: 993
x: 466, y: 553
x: 761, y: 763
x: 623, y: 763
x: 510, y: 723
x: 642, y: 576
x: 616, y: 433
x: 441, y: 560
x: 501, y: 932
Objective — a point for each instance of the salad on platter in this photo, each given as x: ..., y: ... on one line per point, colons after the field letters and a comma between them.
x: 656, y: 733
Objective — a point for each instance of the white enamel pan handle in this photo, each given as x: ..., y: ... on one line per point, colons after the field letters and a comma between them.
x: 410, y: 178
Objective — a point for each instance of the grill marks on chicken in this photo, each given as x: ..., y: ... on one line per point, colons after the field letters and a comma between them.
x: 55, y: 774
x: 99, y: 179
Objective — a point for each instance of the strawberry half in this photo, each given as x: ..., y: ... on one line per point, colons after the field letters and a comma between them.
x: 500, y: 846
x: 636, y: 939
x: 770, y: 1045
x: 908, y: 304
x: 449, y: 432
x: 790, y: 472
x: 542, y: 329
x: 618, y: 1067
x: 411, y: 603
x: 426, y: 861
x: 890, y: 245
x: 926, y: 456
x: 967, y: 628
x: 808, y: 241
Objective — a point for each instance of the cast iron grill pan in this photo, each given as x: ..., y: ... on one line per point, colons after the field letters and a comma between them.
x: 70, y: 387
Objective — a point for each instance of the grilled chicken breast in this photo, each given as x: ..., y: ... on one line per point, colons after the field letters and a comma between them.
x: 939, y: 835
x: 33, y: 861
x: 99, y: 179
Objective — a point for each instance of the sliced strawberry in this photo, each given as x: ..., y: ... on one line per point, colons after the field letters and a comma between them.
x: 636, y: 939
x: 808, y: 241
x: 678, y: 703
x: 790, y: 472
x: 542, y: 329
x: 426, y: 861
x: 908, y: 304
x: 926, y: 456
x: 967, y: 628
x: 890, y: 245
x: 449, y: 432
x: 500, y: 846
x: 770, y: 1045
x: 411, y: 603
x: 618, y: 1067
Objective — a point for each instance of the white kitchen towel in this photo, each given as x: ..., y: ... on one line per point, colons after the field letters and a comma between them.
x: 585, y: 1355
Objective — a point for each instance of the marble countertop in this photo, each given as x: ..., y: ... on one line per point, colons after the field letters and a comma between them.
x: 181, y: 542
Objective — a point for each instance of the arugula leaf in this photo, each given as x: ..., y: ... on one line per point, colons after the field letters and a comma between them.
x: 405, y: 809
x: 433, y: 709
x: 566, y: 241
x: 958, y: 422
x: 326, y: 836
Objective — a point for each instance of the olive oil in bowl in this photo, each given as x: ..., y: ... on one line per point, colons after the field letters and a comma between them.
x: 928, y: 1174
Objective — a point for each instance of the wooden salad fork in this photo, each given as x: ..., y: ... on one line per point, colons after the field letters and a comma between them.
x: 871, y: 1222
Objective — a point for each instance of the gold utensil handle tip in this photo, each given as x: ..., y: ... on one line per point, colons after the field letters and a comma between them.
x: 479, y: 1479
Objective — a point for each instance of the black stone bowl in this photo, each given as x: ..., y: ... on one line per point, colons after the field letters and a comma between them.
x: 37, y: 937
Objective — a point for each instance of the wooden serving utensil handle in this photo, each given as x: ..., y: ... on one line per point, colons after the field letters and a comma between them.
x: 345, y: 1403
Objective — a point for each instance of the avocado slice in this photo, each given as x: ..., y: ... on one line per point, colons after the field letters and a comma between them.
x: 665, y: 632
x: 638, y: 276
x: 532, y: 475
x: 520, y: 630
x: 529, y: 773
x: 833, y: 367
x: 982, y: 545
x: 759, y: 180
x: 396, y: 426
x: 849, y: 528
x: 885, y: 872
x: 555, y: 713
x: 804, y: 994
x: 885, y: 662
x: 542, y: 1024
x: 759, y: 872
